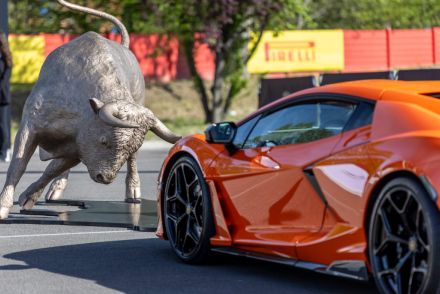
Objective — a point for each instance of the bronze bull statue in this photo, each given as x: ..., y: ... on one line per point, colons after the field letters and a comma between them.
x: 85, y: 107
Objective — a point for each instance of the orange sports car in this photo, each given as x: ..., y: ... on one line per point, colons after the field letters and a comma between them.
x: 341, y: 179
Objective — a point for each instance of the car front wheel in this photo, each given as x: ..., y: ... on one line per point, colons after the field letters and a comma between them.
x: 404, y: 239
x: 187, y: 211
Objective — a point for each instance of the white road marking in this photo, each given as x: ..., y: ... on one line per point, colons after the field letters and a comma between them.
x: 63, y: 234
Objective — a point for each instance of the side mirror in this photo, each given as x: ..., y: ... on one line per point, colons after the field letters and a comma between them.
x: 222, y: 133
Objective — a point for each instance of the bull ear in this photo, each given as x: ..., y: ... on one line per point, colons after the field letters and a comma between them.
x: 96, y: 105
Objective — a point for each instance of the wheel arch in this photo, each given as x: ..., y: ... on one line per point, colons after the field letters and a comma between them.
x: 378, y: 188
x: 173, y: 160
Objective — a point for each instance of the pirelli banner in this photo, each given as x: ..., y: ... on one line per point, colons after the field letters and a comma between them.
x: 290, y: 51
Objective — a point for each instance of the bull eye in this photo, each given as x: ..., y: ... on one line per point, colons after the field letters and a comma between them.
x: 103, y: 140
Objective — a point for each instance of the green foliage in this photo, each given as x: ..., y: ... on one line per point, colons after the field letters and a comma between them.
x: 186, y: 16
x: 47, y: 16
x: 374, y: 14
x: 27, y: 16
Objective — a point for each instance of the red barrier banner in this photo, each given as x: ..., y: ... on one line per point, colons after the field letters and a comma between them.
x: 162, y: 59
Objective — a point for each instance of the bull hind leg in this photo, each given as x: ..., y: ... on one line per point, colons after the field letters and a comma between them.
x: 132, y: 182
x: 24, y: 147
x: 55, y: 168
x: 57, y: 187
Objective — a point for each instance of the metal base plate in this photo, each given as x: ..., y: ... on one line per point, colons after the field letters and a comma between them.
x: 137, y: 216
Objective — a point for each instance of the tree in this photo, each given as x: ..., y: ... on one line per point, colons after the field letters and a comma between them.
x: 227, y: 27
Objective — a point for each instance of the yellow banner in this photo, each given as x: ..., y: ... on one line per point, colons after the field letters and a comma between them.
x: 28, y: 57
x: 291, y: 51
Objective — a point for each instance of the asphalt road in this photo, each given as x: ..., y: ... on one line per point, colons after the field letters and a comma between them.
x: 75, y: 259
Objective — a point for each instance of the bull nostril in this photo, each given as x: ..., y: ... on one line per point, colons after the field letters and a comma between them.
x: 100, y: 178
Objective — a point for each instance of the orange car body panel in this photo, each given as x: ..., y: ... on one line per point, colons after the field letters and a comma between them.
x: 266, y: 215
x: 263, y: 202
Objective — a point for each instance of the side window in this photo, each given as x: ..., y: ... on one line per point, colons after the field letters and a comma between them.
x: 243, y: 131
x: 300, y: 124
x: 363, y: 116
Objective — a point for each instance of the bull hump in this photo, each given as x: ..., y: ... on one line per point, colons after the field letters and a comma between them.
x: 90, y: 61
x: 90, y: 47
x: 90, y: 66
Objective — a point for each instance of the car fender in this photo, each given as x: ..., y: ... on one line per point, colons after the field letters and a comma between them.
x: 416, y: 153
x: 203, y: 153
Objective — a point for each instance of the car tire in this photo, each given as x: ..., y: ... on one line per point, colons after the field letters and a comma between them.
x: 404, y: 239
x: 187, y: 211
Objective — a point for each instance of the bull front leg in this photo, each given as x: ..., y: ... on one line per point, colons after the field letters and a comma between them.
x: 55, y: 168
x: 57, y: 187
x: 24, y: 146
x: 132, y: 182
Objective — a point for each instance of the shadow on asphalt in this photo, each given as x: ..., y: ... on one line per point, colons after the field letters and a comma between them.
x: 149, y: 266
x: 79, y: 172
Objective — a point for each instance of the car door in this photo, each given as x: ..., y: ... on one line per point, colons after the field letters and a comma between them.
x: 344, y: 175
x: 267, y: 191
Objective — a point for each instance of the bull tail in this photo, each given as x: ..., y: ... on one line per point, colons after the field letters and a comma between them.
x: 163, y: 132
x: 125, y: 37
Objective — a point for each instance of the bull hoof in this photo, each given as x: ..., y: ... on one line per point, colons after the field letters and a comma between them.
x: 133, y: 195
x: 28, y: 204
x: 25, y: 202
x: 54, y: 194
x: 4, y: 212
x: 133, y: 200
x: 56, y: 189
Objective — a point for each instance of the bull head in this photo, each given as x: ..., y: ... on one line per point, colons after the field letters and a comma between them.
x: 109, y: 114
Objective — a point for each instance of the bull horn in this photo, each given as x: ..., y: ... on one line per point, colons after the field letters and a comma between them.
x: 107, y: 114
x: 163, y: 132
x: 96, y: 105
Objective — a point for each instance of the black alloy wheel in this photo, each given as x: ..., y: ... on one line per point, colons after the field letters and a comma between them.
x: 404, y: 239
x: 187, y: 211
